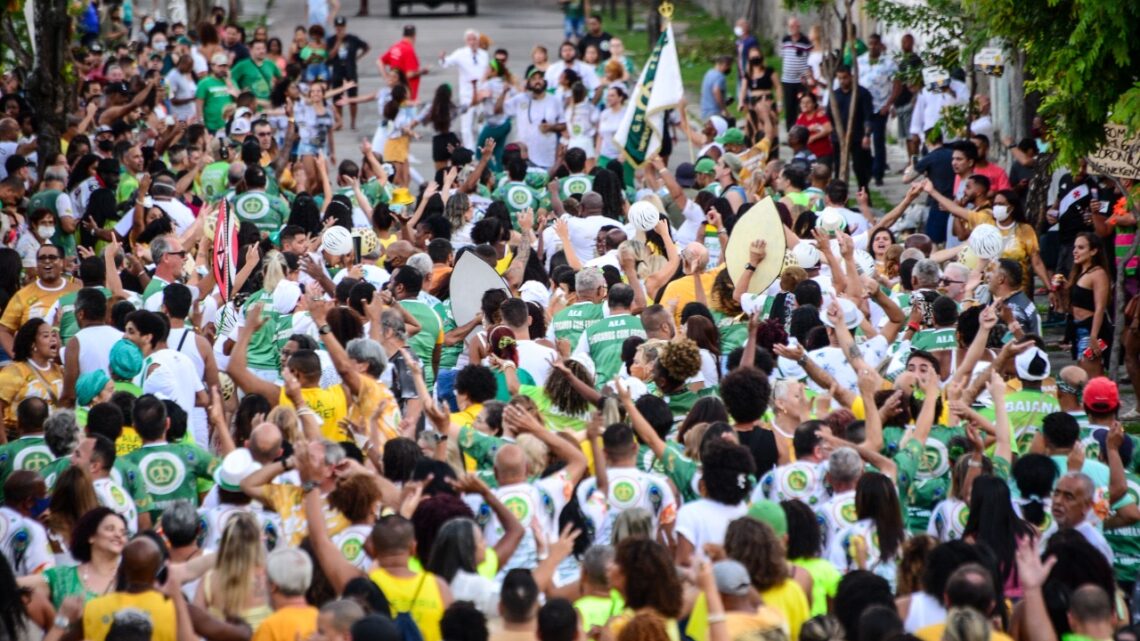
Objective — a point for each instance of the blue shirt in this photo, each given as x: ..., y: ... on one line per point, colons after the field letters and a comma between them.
x: 713, y: 79
x: 936, y: 166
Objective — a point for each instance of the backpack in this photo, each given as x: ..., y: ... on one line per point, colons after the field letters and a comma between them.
x: 405, y: 624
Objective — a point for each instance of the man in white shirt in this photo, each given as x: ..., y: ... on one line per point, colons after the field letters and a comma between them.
x: 538, y: 119
x: 844, y: 467
x: 835, y: 197
x: 928, y: 107
x: 472, y: 63
x: 1072, y: 503
x: 96, y: 454
x: 568, y: 59
x: 877, y: 73
x: 534, y: 357
x: 167, y: 373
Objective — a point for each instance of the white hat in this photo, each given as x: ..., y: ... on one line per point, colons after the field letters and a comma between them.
x: 807, y: 255
x: 644, y: 215
x: 851, y: 314
x: 220, y: 59
x: 1032, y: 364
x: 285, y: 296
x: 864, y: 261
x: 239, y: 127
x: 830, y: 220
x: 719, y: 123
x: 533, y: 291
x: 337, y: 241
x: 237, y: 465
x: 986, y: 241
x: 243, y: 112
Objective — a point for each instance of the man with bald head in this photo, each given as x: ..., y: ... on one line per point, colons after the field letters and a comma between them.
x: 921, y: 242
x: 142, y: 560
x: 1070, y: 388
x: 680, y: 292
x: 398, y: 253
x: 585, y: 226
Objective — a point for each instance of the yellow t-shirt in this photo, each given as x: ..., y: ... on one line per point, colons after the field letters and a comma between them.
x: 20, y: 380
x: 331, y: 404
x: 33, y: 301
x: 128, y: 441
x: 372, y: 395
x: 288, y: 501
x: 418, y: 594
x: 685, y: 292
x: 788, y: 599
x: 288, y: 624
x: 99, y: 613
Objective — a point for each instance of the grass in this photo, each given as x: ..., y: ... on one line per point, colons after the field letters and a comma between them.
x: 700, y: 38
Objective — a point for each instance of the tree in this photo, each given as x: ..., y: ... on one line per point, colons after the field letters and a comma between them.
x: 52, y: 80
x: 1081, y: 55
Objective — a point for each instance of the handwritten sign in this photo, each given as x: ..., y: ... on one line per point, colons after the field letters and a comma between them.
x: 990, y: 61
x: 1120, y: 155
x: 935, y: 78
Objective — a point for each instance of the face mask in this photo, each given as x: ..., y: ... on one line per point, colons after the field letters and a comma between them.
x: 106, y: 146
x: 160, y: 45
x: 45, y: 231
x: 148, y: 26
x: 1001, y: 212
x: 396, y: 209
x: 739, y: 31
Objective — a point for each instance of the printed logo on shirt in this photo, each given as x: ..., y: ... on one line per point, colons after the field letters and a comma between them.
x: 253, y: 206
x: 519, y: 506
x: 34, y: 458
x: 519, y: 196
x: 848, y: 513
x: 351, y: 548
x: 576, y: 184
x: 118, y: 497
x: 163, y: 472
x: 797, y: 481
x: 624, y: 493
x: 935, y: 460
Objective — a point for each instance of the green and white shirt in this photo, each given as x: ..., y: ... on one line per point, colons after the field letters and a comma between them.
x: 575, y: 185
x: 25, y: 453
x: 603, y: 340
x: 171, y: 471
x: 569, y: 323
x: 267, y: 213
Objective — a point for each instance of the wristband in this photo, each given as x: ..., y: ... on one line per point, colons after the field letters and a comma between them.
x: 913, y: 326
x: 749, y: 267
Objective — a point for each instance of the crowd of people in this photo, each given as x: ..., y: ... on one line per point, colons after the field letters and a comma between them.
x: 628, y: 440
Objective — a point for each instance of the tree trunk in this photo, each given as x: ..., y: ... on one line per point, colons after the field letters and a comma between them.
x: 48, y: 89
x: 1118, y: 299
x: 853, y: 104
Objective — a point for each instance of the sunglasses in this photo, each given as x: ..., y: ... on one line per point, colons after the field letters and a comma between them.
x: 48, y: 258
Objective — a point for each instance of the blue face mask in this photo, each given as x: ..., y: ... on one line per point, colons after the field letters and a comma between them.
x: 40, y: 507
x: 396, y: 209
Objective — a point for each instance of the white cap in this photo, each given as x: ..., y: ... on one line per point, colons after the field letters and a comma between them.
x: 719, y: 123
x: 807, y: 255
x: 851, y: 314
x: 830, y: 220
x: 533, y: 291
x: 986, y: 241
x: 220, y: 59
x: 285, y: 296
x: 237, y: 465
x: 644, y: 215
x: 337, y: 241
x: 239, y: 127
x: 1032, y: 364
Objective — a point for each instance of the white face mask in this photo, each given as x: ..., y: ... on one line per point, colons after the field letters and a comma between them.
x: 1001, y: 212
x: 739, y: 31
x: 45, y: 231
x: 160, y: 45
x: 148, y: 26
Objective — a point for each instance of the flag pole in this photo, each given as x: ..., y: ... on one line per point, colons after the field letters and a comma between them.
x: 665, y: 9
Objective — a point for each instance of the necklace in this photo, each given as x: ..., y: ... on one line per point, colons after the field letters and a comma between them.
x: 85, y: 574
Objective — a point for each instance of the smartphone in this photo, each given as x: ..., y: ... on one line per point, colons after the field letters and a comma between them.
x: 356, y: 250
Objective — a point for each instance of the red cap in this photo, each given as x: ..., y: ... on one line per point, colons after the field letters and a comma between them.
x: 1101, y: 396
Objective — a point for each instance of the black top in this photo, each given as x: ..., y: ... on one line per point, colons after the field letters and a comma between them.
x: 863, y: 111
x: 762, y: 444
x: 936, y: 166
x: 1071, y: 218
x: 601, y: 42
x: 342, y: 59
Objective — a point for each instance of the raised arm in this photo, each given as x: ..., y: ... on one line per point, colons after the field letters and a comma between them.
x: 336, y: 568
x: 525, y: 423
x: 513, y: 531
x: 239, y: 371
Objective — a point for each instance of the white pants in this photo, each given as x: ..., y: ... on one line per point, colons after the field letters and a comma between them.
x: 467, y: 125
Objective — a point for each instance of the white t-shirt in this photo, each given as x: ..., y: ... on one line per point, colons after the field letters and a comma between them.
x: 835, y: 515
x: 833, y: 361
x: 179, y: 214
x: 529, y: 114
x: 535, y: 359
x: 213, y: 521
x: 799, y: 480
x: 6, y: 149
x: 24, y: 542
x: 174, y: 378
x: 111, y: 494
x: 536, y: 504
x: 706, y: 521
x: 948, y: 520
x: 608, y: 122
x: 181, y: 88
x: 95, y: 345
x: 629, y: 487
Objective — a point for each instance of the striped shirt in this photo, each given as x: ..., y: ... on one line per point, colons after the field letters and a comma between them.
x: 794, y: 54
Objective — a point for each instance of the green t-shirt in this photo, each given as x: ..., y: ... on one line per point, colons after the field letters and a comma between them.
x: 555, y: 417
x: 215, y: 97
x: 824, y: 582
x: 929, y: 471
x: 1026, y: 410
x: 24, y: 453
x: 214, y: 180
x: 263, y: 352
x: 267, y: 213
x: 1125, y: 541
x: 248, y: 76
x: 935, y: 340
x: 171, y: 471
x: 733, y: 330
x: 430, y: 335
x: 123, y: 472
x: 569, y: 323
x: 575, y: 185
x: 68, y: 324
x: 449, y: 354
x: 502, y: 393
x: 682, y: 470
x: 596, y: 611
x: 479, y: 446
x: 518, y: 196
x: 603, y: 341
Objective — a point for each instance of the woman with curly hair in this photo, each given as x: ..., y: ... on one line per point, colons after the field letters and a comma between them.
x: 561, y: 403
x: 642, y: 571
x: 358, y: 498
x: 724, y: 486
x: 756, y: 545
x: 677, y: 362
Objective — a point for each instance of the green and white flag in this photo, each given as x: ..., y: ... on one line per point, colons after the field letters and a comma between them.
x: 658, y: 89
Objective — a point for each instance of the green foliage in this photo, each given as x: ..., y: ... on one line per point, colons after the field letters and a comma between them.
x: 950, y: 33
x: 1081, y: 55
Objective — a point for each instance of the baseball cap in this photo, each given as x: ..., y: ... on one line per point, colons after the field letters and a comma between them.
x: 240, y: 127
x: 807, y: 255
x: 1101, y: 396
x: 340, y: 21
x: 685, y: 174
x: 705, y: 165
x: 95, y: 47
x: 771, y: 513
x: 15, y: 163
x: 103, y: 129
x: 1033, y: 365
x: 731, y: 577
x: 220, y: 59
x: 734, y: 164
x: 731, y: 136
x: 183, y: 40
x: 285, y: 296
